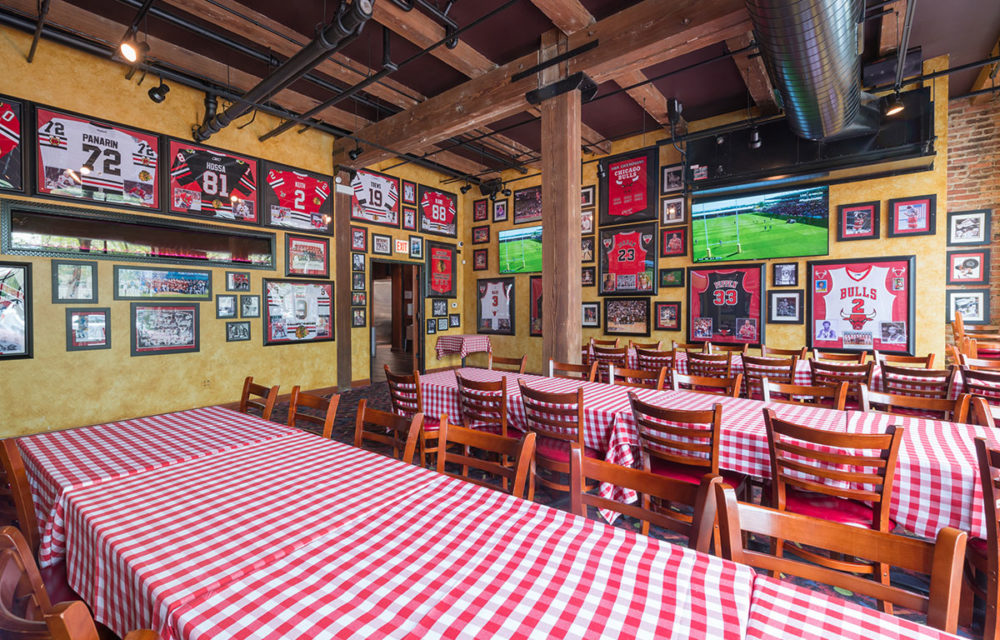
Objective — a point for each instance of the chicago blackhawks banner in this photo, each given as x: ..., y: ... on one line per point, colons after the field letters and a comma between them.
x: 862, y: 304
x: 628, y: 187
x: 495, y: 306
x: 438, y: 211
x: 628, y: 260
x: 209, y: 183
x: 376, y: 198
x: 441, y: 281
x: 11, y: 149
x: 726, y: 304
x: 296, y: 199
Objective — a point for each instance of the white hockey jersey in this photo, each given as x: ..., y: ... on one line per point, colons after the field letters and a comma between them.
x: 376, y: 195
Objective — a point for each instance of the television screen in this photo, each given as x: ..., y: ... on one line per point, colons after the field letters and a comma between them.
x: 777, y: 224
x: 520, y: 250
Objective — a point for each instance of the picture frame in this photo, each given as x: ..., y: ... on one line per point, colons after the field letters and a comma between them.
x: 375, y: 198
x: 237, y: 281
x: 673, y: 211
x: 626, y: 316
x: 358, y: 262
x: 431, y: 326
x: 586, y: 221
x: 786, y: 307
x: 969, y: 266
x: 673, y: 242
x: 500, y: 210
x: 88, y: 329
x: 480, y: 210
x: 587, y: 249
x: 535, y: 310
x: 969, y: 227
x: 225, y: 306
x: 672, y: 277
x: 914, y: 216
x: 627, y: 187
x: 296, y: 199
x: 480, y: 259
x: 528, y: 205
x: 409, y: 218
x: 14, y: 116
x: 587, y: 196
x: 973, y: 303
x: 627, y: 260
x: 785, y: 274
x: 144, y: 283
x: 359, y: 299
x: 439, y: 307
x: 859, y: 221
x: 157, y: 329
x: 74, y: 282
x: 416, y: 247
x: 671, y: 179
x: 357, y: 282
x: 249, y: 306
x: 307, y: 257
x: 17, y: 317
x: 359, y: 317
x: 481, y: 235
x: 588, y: 276
x: 359, y: 239
x: 667, y: 316
x: 195, y: 191
x: 238, y: 331
x: 298, y: 311
x: 441, y: 275
x: 408, y: 192
x: 495, y: 306
x: 454, y: 320
x: 437, y: 212
x: 591, y: 315
x: 442, y: 324
x: 726, y: 303
x: 381, y: 244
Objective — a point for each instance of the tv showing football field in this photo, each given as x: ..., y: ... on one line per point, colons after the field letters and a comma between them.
x: 520, y: 250
x: 777, y: 224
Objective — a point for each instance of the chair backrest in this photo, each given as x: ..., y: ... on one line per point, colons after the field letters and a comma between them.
x: 612, y: 344
x: 958, y: 327
x: 23, y: 599
x: 72, y: 621
x: 608, y: 356
x: 651, y: 346
x: 910, y: 381
x: 652, y: 360
x: 677, y: 436
x: 301, y: 399
x: 253, y: 390
x: 586, y: 372
x: 624, y: 377
x: 979, y: 413
x: 771, y: 352
x: 17, y: 508
x: 832, y: 397
x: 755, y: 369
x: 739, y: 349
x: 390, y: 429
x: 854, y: 466
x: 483, y: 405
x: 697, y: 347
x: 980, y: 364
x: 405, y: 395
x: 585, y: 471
x: 499, y: 363
x: 705, y: 384
x: 936, y: 408
x: 557, y: 416
x: 983, y: 383
x: 831, y: 374
x: 925, y: 362
x: 982, y: 347
x: 470, y: 441
x: 989, y: 478
x: 710, y: 364
x: 856, y: 358
x: 942, y: 559
x: 585, y: 357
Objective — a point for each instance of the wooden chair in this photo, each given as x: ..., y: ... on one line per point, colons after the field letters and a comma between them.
x: 483, y: 406
x: 832, y: 374
x: 406, y: 397
x: 979, y: 364
x: 72, y: 621
x: 917, y: 406
x: 830, y: 397
x: 979, y: 413
x: 269, y: 394
x: 691, y: 347
x: 925, y: 362
x: 585, y: 372
x: 388, y: 429
x: 771, y: 352
x: 983, y: 383
x: 520, y: 452
x: 585, y: 357
x: 703, y: 384
x: 498, y: 363
x: 710, y: 364
x: 737, y: 349
x: 650, y: 360
x: 327, y: 405
x: 983, y: 556
x: 638, y: 378
x: 556, y: 419
x: 942, y: 559
x: 17, y: 508
x: 923, y: 383
x: 607, y: 344
x: 608, y: 357
x: 959, y: 330
x: 855, y: 358
x: 698, y: 497
x: 755, y: 369
x: 649, y: 346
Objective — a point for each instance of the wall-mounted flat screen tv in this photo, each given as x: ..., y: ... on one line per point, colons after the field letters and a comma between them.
x: 520, y: 250
x: 777, y: 224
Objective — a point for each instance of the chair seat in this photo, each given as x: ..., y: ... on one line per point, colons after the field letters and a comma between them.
x: 56, y: 584
x: 431, y: 424
x: 559, y: 451
x: 829, y: 508
x: 487, y: 427
x: 692, y: 474
x: 978, y: 545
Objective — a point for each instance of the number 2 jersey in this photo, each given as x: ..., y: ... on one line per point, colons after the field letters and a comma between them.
x: 724, y: 300
x: 218, y: 177
x: 300, y: 198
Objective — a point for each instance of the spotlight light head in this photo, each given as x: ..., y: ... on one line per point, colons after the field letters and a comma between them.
x: 132, y: 50
x: 355, y: 153
x: 894, y: 105
x: 465, y: 188
x: 506, y: 192
x: 755, y: 141
x: 159, y: 93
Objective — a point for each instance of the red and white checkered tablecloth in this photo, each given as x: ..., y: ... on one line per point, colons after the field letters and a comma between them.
x: 59, y: 461
x: 455, y: 560
x: 781, y: 609
x: 463, y: 345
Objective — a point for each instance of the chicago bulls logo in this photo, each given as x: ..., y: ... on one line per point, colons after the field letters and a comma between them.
x: 857, y: 320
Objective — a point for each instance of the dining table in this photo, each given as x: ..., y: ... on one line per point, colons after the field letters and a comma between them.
x: 463, y: 345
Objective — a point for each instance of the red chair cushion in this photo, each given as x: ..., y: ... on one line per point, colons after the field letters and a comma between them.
x: 559, y: 451
x: 431, y: 424
x: 978, y: 545
x: 56, y: 585
x: 495, y: 429
x: 690, y: 473
x: 825, y: 507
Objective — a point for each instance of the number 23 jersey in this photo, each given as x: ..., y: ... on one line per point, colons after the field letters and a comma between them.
x: 217, y: 176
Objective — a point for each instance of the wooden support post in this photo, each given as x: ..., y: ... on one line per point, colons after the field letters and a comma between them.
x: 342, y: 277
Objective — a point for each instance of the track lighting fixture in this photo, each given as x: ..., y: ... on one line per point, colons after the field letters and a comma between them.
x: 755, y: 141
x: 355, y: 153
x: 506, y: 192
x: 465, y: 188
x: 132, y: 50
x: 602, y: 171
x: 159, y: 93
x: 894, y: 105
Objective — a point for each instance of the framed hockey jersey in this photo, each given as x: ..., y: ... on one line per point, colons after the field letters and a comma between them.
x: 12, y: 152
x: 495, y: 306
x: 726, y: 304
x: 297, y: 311
x: 211, y: 183
x: 627, y: 260
x: 375, y: 198
x: 628, y: 187
x: 296, y: 199
x: 80, y: 158
x: 438, y: 212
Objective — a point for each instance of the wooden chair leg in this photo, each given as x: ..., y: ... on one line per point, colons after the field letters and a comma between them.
x: 883, y: 570
x: 968, y: 599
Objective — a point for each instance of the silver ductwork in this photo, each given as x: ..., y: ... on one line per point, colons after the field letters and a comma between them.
x: 810, y: 48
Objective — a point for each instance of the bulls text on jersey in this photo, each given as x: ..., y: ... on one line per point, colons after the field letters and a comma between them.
x: 300, y: 198
x: 217, y: 177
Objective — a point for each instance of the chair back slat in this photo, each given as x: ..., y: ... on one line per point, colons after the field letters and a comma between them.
x: 483, y: 405
x: 648, y: 346
x: 553, y: 416
x: 704, y: 384
x: 23, y: 599
x: 678, y: 436
x: 832, y: 397
x: 755, y: 369
x: 911, y: 381
x: 907, y: 405
x: 772, y: 352
x: 400, y: 433
x: 710, y: 365
x: 612, y: 344
x: 846, y: 358
x: 739, y: 349
x: 979, y: 412
x: 638, y: 378
x: 898, y: 360
x: 982, y: 383
x: 829, y: 374
x: 586, y: 372
x: 691, y: 347
x: 609, y: 357
x: 405, y: 395
x: 251, y: 391
x: 500, y: 363
x: 469, y: 447
x: 328, y: 406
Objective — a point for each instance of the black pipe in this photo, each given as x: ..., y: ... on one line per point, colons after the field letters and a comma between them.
x: 42, y: 14
x: 937, y: 74
x: 904, y: 43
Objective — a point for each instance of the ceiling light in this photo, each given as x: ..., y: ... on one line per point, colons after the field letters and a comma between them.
x: 159, y: 94
x: 133, y: 50
x: 894, y: 105
x: 506, y: 192
x: 355, y: 153
x: 465, y: 189
x: 755, y: 141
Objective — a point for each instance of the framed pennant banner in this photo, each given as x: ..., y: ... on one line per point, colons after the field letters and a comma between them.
x: 628, y: 188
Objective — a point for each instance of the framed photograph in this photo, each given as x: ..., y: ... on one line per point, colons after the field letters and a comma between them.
x: 968, y: 227
x: 627, y: 186
x: 296, y: 199
x: 431, y: 326
x: 726, y: 304
x: 442, y: 324
x: 481, y: 235
x: 297, y: 311
x: 627, y: 260
x: 375, y: 198
x: 305, y: 256
x: 969, y: 266
x: 141, y: 283
x: 359, y: 317
x: 237, y: 281
x: 862, y: 304
x: 587, y: 196
x: 74, y: 281
x: 858, y: 221
x: 358, y: 262
x: 409, y: 192
x: 535, y: 312
x: 359, y: 239
x: 238, y: 331
x: 912, y: 216
x: 15, y: 310
x: 357, y: 282
x: 454, y: 320
x: 480, y: 210
x: 495, y: 306
x: 672, y: 211
x: 88, y: 329
x: 164, y: 328
x: 359, y: 299
x: 671, y: 179
x: 587, y: 249
x: 974, y: 304
x: 409, y: 218
x: 588, y: 276
x: 626, y: 316
x: 442, y: 281
x: 225, y: 306
x: 13, y: 125
x: 480, y: 259
x: 668, y: 316
x: 500, y: 210
x: 80, y: 158
x: 249, y: 306
x: 591, y: 315
x: 785, y: 307
x: 587, y: 221
x: 439, y: 307
x: 212, y: 184
x: 673, y: 242
x: 528, y: 205
x: 416, y: 247
x: 437, y: 212
x: 785, y: 274
x: 381, y: 244
x: 672, y: 277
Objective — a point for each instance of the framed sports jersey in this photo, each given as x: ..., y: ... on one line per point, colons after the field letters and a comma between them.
x: 726, y: 304
x: 535, y: 315
x: 862, y: 304
x: 441, y: 279
x: 375, y: 198
x: 437, y: 212
x: 527, y: 205
x: 627, y: 260
x: 495, y: 306
x: 210, y: 183
x: 628, y: 187
x: 79, y: 158
x: 297, y: 311
x: 296, y: 199
x: 12, y: 152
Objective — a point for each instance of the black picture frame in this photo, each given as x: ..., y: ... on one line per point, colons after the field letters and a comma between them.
x: 780, y: 274
x: 357, y: 282
x: 528, y: 204
x: 357, y: 262
x: 591, y: 315
x: 586, y: 221
x: 661, y: 316
x: 899, y: 220
x: 616, y: 310
x: 481, y: 234
x: 587, y: 250
x: 454, y: 320
x: 587, y: 196
x: 495, y: 304
x: 409, y: 218
x: 296, y: 200
x: 416, y: 247
x: 611, y: 279
x: 307, y: 256
x: 961, y: 273
x: 77, y: 342
x: 441, y: 275
x: 431, y: 326
x: 237, y: 281
x: 226, y: 306
x: 238, y: 331
x: 381, y: 244
x: 501, y: 210
x: 480, y: 210
x: 671, y: 278
x: 777, y: 315
x: 77, y: 266
x: 12, y: 323
x: 359, y: 299
x: 439, y: 307
x: 588, y: 276
x: 359, y: 317
x: 859, y: 221
x: 437, y: 212
x: 953, y: 298
x: 385, y: 200
x: 359, y: 239
x: 442, y: 324
x: 673, y: 242
x: 150, y: 342
x: 284, y: 320
x: 177, y: 196
x: 617, y: 202
x: 408, y: 192
x: 673, y: 211
x: 249, y: 306
x: 724, y: 302
x: 969, y: 228
x: 535, y: 294
x: 126, y: 276
x: 480, y: 259
x: 671, y: 179
x: 14, y: 164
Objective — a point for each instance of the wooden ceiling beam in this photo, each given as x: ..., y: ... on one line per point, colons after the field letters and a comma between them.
x: 892, y: 27
x: 754, y: 74
x: 984, y: 79
x: 569, y: 16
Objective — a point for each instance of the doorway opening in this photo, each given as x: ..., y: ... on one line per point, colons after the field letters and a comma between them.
x: 395, y: 318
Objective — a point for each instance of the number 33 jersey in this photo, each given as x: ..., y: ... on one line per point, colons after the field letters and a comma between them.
x: 217, y: 177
